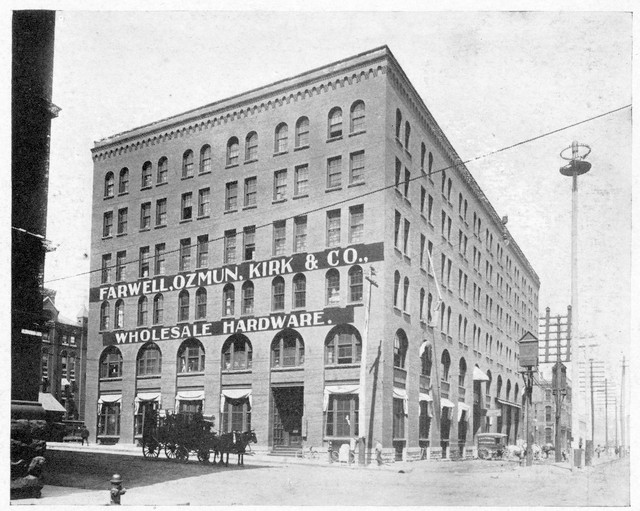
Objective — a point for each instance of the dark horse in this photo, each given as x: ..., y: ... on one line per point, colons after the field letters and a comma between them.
x: 234, y: 442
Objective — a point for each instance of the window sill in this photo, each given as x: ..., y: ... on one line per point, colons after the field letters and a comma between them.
x: 107, y: 197
x: 185, y: 220
x: 190, y: 373
x: 302, y: 147
x: 280, y: 153
x: 112, y: 378
x: 203, y: 217
x: 231, y: 165
x: 162, y: 184
x: 296, y: 197
x: 229, y: 211
x: 121, y: 235
x: 356, y: 133
x: 148, y: 187
x: 353, y: 185
x: 247, y: 162
x: 145, y: 229
x: 121, y: 194
x: 252, y: 206
x: 236, y: 371
x: 341, y: 366
x: 162, y: 226
x: 279, y: 369
x: 333, y: 189
x: 206, y: 172
x: 184, y: 178
x: 333, y: 139
x: 278, y: 201
x: 107, y: 237
x: 148, y: 376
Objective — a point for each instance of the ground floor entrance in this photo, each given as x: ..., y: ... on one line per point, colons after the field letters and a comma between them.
x: 287, y: 406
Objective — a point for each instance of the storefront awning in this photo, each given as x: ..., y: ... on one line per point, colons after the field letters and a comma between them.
x: 108, y: 398
x: 478, y: 375
x: 445, y: 403
x: 337, y: 389
x: 424, y: 397
x: 50, y: 403
x: 509, y: 403
x: 188, y: 395
x: 463, y: 408
x: 402, y: 394
x: 235, y: 394
x: 147, y: 396
x: 64, y: 382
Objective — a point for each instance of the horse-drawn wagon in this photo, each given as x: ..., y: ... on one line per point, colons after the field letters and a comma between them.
x: 491, y: 445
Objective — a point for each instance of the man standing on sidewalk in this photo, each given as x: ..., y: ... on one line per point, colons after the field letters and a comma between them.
x: 84, y: 435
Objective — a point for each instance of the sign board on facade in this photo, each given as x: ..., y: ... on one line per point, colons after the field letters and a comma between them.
x: 528, y: 350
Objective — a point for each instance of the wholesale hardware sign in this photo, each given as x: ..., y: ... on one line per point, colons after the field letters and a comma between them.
x: 331, y: 258
x: 298, y: 319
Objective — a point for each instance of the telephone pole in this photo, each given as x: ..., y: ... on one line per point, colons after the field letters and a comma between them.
x: 606, y: 415
x: 592, y: 405
x: 623, y: 425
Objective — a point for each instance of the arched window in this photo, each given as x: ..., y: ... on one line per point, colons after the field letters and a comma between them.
x: 247, y: 297
x: 499, y: 386
x: 158, y: 309
x: 357, y: 117
x: 143, y: 310
x: 508, y: 389
x: 426, y: 360
x: 444, y: 181
x: 236, y: 353
x: 355, y: 283
x: 205, y: 159
x: 400, y: 346
x: 445, y: 365
x: 251, y: 147
x: 423, y: 155
x: 488, y: 388
x: 448, y: 321
x: 119, y: 321
x: 462, y: 372
x: 111, y: 363
x: 398, y: 123
x: 105, y: 313
x: 407, y: 134
x: 277, y: 294
x: 332, y: 281
x: 421, y: 304
x: 405, y: 295
x: 429, y: 306
x: 281, y: 138
x: 430, y: 162
x: 149, y: 360
x: 302, y: 132
x: 183, y: 305
x: 147, y: 174
x: 443, y: 310
x: 396, y: 287
x: 515, y: 393
x: 233, y: 151
x: 287, y: 349
x: 201, y: 303
x: 335, y: 123
x: 299, y: 291
x: 187, y: 163
x: 109, y: 184
x: 191, y: 356
x: 163, y: 170
x: 343, y: 345
x: 123, y: 184
x: 228, y: 300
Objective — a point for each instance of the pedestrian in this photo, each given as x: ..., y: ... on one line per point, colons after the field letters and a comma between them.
x: 378, y: 452
x: 564, y: 455
x: 598, y: 449
x: 84, y: 435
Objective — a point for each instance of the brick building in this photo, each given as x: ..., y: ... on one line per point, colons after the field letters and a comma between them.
x: 543, y: 403
x: 231, y: 246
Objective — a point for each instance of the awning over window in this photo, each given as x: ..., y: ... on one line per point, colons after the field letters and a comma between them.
x: 235, y: 394
x: 402, y: 394
x: 50, y: 403
x: 423, y: 347
x: 508, y: 403
x: 108, y: 398
x: 478, y: 375
x: 445, y: 403
x: 429, y: 400
x: 337, y: 389
x: 462, y: 408
x: 188, y: 395
x: 64, y: 382
x: 146, y: 396
x: 424, y: 397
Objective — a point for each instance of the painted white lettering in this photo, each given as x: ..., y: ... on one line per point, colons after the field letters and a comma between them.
x: 165, y: 333
x: 231, y: 274
x: 190, y: 279
x: 332, y: 258
x: 274, y: 267
x: 240, y: 327
x: 318, y: 318
x: 218, y: 276
x: 103, y: 292
x: 121, y: 337
x: 112, y: 293
x: 134, y: 288
x: 175, y: 332
x: 178, y: 282
x: 252, y: 324
x: 146, y: 287
x: 145, y: 335
x: 285, y: 266
x: 293, y: 321
x: 122, y: 291
x: 185, y: 331
x: 254, y: 271
x: 277, y: 322
x: 133, y: 336
x: 305, y: 319
x: 350, y: 255
x: 227, y: 326
x: 204, y: 278
x: 263, y: 323
x: 163, y: 286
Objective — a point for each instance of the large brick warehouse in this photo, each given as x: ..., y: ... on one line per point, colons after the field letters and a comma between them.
x: 233, y: 247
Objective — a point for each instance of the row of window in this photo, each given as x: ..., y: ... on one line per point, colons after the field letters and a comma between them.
x: 66, y: 367
x: 299, y: 299
x: 281, y: 145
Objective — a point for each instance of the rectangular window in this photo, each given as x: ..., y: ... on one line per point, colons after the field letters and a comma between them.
x: 423, y: 243
x: 356, y: 168
x: 405, y: 245
x: 398, y: 173
x: 278, y: 295
x: 430, y: 254
x: 300, y: 234
x: 123, y: 215
x: 202, y: 251
x: 342, y: 416
x: 356, y: 224
x: 143, y: 262
x: 430, y: 209
x: 159, y: 259
x: 185, y: 254
x: 249, y: 242
x: 423, y: 196
x: 107, y: 224
x: 250, y: 191
x: 121, y: 267
x: 407, y: 180
x: 301, y: 182
x: 145, y: 215
x: 280, y: 184
x: 396, y: 230
x: 161, y: 212
x: 186, y: 206
x: 204, y: 199
x: 334, y: 170
x: 333, y: 228
x: 163, y: 170
x: 230, y: 246
x: 398, y: 419
x: 279, y: 237
x: 106, y: 269
x: 231, y: 196
x: 109, y: 419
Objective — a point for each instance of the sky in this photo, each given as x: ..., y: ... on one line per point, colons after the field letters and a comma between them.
x: 490, y: 79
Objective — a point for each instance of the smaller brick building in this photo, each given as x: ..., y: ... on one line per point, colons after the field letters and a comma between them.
x: 543, y: 405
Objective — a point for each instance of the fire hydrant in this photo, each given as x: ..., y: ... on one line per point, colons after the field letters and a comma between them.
x: 330, y: 451
x: 116, y: 489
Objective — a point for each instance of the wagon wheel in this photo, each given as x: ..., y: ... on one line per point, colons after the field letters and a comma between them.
x: 203, y: 455
x: 182, y: 454
x: 483, y: 453
x: 170, y: 450
x: 150, y: 449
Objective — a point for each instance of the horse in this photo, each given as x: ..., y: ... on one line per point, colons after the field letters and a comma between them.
x: 234, y: 442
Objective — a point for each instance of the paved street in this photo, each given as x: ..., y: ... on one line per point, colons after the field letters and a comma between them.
x: 81, y: 477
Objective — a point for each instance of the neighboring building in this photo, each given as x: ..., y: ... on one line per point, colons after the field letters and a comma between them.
x: 64, y: 359
x: 543, y: 406
x: 230, y: 246
x: 31, y: 114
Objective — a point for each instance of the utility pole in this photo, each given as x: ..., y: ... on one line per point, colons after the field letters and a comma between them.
x: 558, y: 390
x: 606, y: 415
x: 592, y: 405
x: 363, y: 434
x: 615, y: 402
x: 623, y: 431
